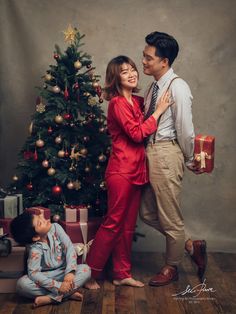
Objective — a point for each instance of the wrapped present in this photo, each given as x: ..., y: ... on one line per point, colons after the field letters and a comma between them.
x: 5, y: 225
x: 204, y: 148
x: 38, y: 209
x: 12, y: 268
x: 11, y: 206
x: 82, y: 234
x: 76, y: 213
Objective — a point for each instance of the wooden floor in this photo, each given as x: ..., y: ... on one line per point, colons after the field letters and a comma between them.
x: 219, y: 295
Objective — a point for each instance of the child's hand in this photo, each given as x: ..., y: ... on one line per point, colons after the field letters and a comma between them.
x: 65, y: 287
x: 70, y: 277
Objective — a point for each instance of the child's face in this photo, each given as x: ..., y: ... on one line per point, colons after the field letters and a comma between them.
x: 41, y: 225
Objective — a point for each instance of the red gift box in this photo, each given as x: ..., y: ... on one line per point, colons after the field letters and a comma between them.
x: 82, y: 234
x: 37, y: 209
x: 5, y: 224
x: 204, y: 148
x: 76, y: 213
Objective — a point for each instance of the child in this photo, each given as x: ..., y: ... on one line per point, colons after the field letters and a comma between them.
x: 53, y: 273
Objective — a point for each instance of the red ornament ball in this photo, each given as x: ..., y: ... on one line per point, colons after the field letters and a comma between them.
x: 29, y: 186
x: 56, y: 190
x: 66, y: 94
x: 67, y: 116
x: 56, y: 56
x: 50, y: 130
x: 76, y: 86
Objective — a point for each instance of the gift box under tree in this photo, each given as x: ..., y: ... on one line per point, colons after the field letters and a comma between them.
x: 11, y: 206
x: 12, y: 267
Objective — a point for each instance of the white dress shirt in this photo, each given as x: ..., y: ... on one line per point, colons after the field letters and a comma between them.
x: 176, y: 121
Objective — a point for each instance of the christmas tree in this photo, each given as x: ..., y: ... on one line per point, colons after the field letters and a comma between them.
x: 64, y: 159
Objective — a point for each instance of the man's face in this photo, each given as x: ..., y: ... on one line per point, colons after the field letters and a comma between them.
x: 152, y: 64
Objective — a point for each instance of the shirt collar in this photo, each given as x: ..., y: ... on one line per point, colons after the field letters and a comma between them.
x: 165, y: 78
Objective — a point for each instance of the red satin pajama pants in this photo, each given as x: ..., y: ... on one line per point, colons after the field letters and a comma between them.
x: 115, y: 235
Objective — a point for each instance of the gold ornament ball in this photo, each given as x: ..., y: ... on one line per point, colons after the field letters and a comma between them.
x: 39, y: 143
x: 102, y: 158
x: 51, y: 171
x: 87, y: 94
x: 56, y: 89
x: 78, y: 65
x: 56, y: 218
x: 84, y: 151
x: 48, y: 77
x: 58, y: 119
x: 61, y: 153
x: 58, y: 140
x: 45, y: 163
x: 95, y: 84
x: 70, y: 185
x: 15, y: 178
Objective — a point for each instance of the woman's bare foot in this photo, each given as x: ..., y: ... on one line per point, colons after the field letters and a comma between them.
x: 42, y: 300
x: 128, y: 282
x: 92, y: 284
x: 77, y: 296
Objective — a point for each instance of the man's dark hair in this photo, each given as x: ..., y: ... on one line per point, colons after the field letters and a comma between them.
x: 22, y: 228
x: 166, y: 45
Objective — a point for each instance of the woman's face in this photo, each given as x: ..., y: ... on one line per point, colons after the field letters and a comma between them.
x: 128, y: 77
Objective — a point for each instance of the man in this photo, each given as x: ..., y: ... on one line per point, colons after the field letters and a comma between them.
x: 167, y: 151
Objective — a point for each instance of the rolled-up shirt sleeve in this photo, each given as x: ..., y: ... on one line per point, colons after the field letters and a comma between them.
x: 182, y: 109
x: 134, y: 129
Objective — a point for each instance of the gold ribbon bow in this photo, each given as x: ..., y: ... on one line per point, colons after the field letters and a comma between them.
x: 202, y: 156
x: 83, y: 249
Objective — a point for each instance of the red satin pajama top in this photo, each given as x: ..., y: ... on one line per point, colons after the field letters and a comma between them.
x: 128, y: 129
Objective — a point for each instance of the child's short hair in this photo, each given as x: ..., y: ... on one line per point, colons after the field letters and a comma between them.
x: 22, y: 228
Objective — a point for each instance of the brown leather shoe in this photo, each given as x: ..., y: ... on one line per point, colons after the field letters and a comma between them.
x: 200, y: 257
x: 165, y: 276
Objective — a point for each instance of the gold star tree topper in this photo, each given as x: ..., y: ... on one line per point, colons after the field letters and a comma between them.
x: 70, y: 34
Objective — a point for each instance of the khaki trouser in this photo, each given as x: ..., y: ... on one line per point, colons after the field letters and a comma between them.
x: 160, y: 205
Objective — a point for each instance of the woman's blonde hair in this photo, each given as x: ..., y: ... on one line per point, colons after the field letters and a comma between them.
x: 112, y: 81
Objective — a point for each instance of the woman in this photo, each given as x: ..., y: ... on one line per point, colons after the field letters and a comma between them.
x: 126, y: 171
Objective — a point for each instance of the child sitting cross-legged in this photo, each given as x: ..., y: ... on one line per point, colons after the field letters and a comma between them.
x: 53, y: 273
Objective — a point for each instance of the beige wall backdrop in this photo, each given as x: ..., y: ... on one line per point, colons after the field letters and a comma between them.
x: 205, y: 30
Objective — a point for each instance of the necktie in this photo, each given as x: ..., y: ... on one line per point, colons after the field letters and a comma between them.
x: 152, y: 106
